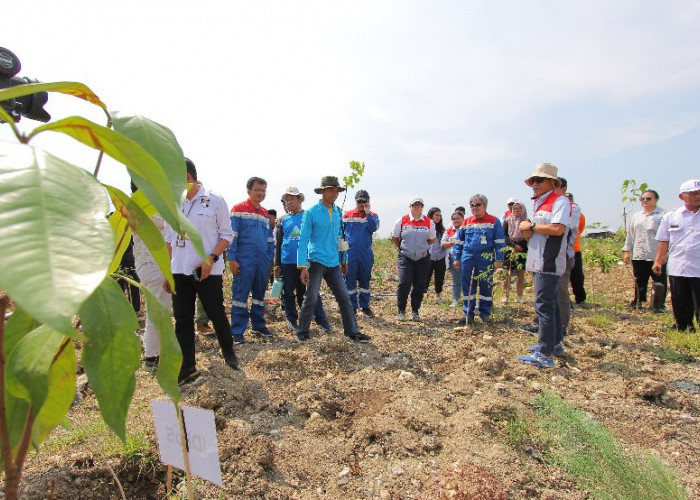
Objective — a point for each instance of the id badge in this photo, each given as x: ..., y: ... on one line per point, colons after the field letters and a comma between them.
x: 180, y: 241
x: 483, y: 238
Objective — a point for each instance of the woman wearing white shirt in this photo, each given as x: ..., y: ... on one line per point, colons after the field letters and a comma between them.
x: 641, y: 244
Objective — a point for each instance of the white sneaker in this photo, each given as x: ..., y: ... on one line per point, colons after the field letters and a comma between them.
x: 454, y: 303
x: 401, y: 316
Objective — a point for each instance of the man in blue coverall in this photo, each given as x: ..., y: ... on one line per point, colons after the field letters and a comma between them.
x: 250, y: 255
x: 360, y: 224
x: 479, y: 249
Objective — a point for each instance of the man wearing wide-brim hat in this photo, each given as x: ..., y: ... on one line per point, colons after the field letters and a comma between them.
x: 546, y: 259
x: 321, y: 253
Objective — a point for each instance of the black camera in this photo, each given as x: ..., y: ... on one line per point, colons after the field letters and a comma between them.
x: 30, y: 106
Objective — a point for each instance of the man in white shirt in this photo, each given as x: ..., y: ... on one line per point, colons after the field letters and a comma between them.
x: 679, y: 244
x: 196, y: 277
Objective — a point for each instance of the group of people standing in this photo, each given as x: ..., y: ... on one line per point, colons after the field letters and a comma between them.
x: 655, y: 238
x: 321, y: 243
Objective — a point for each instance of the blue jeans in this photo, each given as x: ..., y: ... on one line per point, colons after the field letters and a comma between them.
x: 548, y: 313
x: 334, y: 280
x: 293, y: 293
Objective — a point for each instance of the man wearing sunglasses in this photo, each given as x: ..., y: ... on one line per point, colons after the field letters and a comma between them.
x: 546, y: 259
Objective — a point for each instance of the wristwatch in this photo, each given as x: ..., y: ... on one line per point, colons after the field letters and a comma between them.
x: 214, y: 257
x: 532, y: 226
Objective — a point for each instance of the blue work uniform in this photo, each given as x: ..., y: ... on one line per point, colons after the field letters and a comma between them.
x: 252, y: 247
x: 480, y: 242
x: 359, y: 227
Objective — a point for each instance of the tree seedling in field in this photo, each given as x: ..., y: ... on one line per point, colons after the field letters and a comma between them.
x: 631, y: 192
x: 60, y: 253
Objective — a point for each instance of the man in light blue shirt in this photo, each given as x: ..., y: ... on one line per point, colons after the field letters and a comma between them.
x: 321, y: 251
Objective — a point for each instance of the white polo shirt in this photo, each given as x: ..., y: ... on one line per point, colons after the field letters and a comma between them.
x: 209, y: 214
x: 681, y: 228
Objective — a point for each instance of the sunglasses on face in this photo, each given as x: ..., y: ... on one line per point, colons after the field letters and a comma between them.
x: 537, y: 180
x: 416, y: 205
x: 646, y: 198
x: 475, y: 205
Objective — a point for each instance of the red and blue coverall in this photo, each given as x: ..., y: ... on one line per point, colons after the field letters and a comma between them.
x: 253, y: 247
x: 359, y: 227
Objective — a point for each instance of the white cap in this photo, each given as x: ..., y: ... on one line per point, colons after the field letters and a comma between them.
x: 512, y: 200
x: 690, y: 186
x: 416, y: 199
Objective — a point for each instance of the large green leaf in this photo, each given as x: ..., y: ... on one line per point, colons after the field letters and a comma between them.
x: 170, y: 353
x: 142, y: 225
x: 16, y: 411
x: 59, y: 397
x: 160, y: 143
x: 76, y: 89
x: 55, y: 242
x: 122, y: 237
x: 112, y: 352
x: 29, y: 363
x: 18, y: 325
x: 145, y: 171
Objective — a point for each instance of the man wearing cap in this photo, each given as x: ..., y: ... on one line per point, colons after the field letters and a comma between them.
x: 679, y: 244
x: 287, y: 234
x: 196, y: 277
x: 413, y: 234
x: 249, y: 259
x: 321, y: 253
x: 360, y: 224
x: 546, y: 259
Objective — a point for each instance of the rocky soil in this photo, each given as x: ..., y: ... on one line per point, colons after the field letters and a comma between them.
x: 420, y: 412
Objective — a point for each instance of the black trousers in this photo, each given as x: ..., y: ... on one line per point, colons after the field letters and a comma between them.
x: 685, y: 298
x: 412, y: 278
x: 211, y: 293
x: 642, y: 273
x: 576, y: 279
x: 438, y: 267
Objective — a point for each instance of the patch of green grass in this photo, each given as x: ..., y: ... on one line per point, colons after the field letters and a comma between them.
x: 517, y: 431
x: 619, y: 368
x: 689, y: 342
x: 600, y: 320
x: 596, y: 460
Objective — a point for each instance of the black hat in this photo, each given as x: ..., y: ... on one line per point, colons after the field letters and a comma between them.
x: 362, y: 196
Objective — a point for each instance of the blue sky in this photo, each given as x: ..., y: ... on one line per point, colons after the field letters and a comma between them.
x: 439, y: 99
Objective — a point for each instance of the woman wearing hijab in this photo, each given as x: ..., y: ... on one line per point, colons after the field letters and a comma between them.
x: 515, y: 253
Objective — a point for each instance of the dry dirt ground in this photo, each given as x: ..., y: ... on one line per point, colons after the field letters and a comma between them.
x: 419, y: 410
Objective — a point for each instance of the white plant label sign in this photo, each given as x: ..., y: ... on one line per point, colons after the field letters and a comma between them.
x: 202, y: 445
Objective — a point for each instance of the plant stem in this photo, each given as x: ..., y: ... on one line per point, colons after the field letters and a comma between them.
x: 97, y: 166
x: 9, y: 466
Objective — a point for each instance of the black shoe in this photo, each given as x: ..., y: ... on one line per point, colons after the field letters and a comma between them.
x: 151, y: 363
x: 303, y: 336
x: 368, y: 312
x: 238, y: 340
x: 531, y: 329
x: 263, y: 333
x: 466, y: 320
x: 186, y: 378
x: 359, y: 337
x: 231, y: 359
